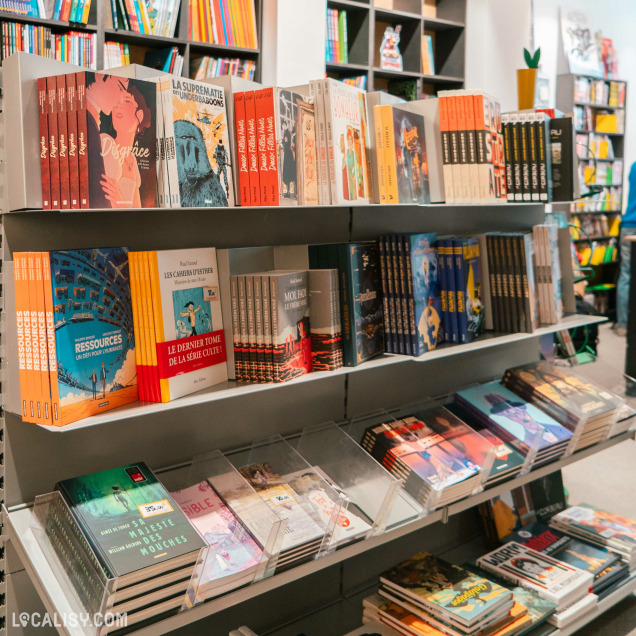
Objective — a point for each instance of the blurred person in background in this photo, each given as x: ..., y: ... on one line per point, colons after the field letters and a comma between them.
x: 628, y: 228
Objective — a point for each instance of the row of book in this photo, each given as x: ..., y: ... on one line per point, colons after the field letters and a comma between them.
x: 489, y: 433
x: 359, y: 81
x: 168, y: 60
x: 64, y: 10
x: 72, y: 46
x: 206, y: 66
x: 604, y: 199
x: 226, y: 22
x: 116, y: 54
x: 599, y: 92
x: 598, y: 252
x: 159, y: 18
x: 595, y: 225
x: 337, y: 45
x: 555, y: 574
x: 602, y: 174
x: 595, y: 146
x: 428, y: 59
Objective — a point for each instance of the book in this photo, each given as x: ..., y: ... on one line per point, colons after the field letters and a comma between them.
x: 196, y: 122
x: 324, y: 311
x: 555, y: 580
x: 287, y: 113
x: 307, y: 154
x: 291, y: 338
x: 185, y: 321
x: 470, y: 310
x: 564, y: 160
x: 135, y: 528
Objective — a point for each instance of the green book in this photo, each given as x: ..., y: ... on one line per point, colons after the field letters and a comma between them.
x: 133, y: 525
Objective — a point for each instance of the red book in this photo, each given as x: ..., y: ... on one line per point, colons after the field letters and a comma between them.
x: 218, y: 20
x: 44, y: 144
x: 241, y: 148
x: 73, y: 154
x: 252, y: 148
x: 54, y: 158
x: 82, y: 139
x: 272, y: 148
x: 62, y: 131
x: 261, y: 144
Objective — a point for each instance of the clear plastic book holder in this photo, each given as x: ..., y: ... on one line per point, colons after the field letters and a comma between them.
x: 296, y: 492
x: 244, y: 537
x: 368, y: 489
x: 95, y: 603
x: 426, y: 473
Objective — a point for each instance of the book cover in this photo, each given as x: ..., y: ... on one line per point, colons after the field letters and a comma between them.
x: 410, y: 157
x: 287, y: 113
x: 120, y: 122
x: 324, y: 310
x: 44, y: 143
x: 62, y: 132
x: 512, y: 417
x: 241, y: 148
x: 604, y: 526
x: 73, y: 146
x: 54, y: 142
x: 553, y: 579
x: 94, y: 334
x: 252, y: 149
x: 291, y: 339
x: 448, y: 588
x: 347, y: 139
x: 236, y: 550
x: 201, y: 144
x: 190, y: 348
x: 130, y: 519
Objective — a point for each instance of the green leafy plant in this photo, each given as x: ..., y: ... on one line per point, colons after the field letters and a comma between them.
x: 532, y: 60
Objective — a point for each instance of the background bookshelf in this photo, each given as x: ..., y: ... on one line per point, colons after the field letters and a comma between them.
x: 599, y: 107
x: 366, y: 22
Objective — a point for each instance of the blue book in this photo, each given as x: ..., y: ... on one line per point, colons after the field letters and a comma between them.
x: 451, y: 294
x: 443, y: 287
x: 470, y: 311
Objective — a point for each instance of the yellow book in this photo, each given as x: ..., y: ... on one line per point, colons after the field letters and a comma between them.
x: 139, y: 349
x: 614, y: 225
x: 598, y: 254
x: 379, y: 151
x: 392, y: 195
x: 606, y: 123
x: 164, y: 386
x: 147, y: 325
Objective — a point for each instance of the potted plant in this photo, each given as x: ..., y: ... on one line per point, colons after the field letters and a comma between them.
x: 527, y: 79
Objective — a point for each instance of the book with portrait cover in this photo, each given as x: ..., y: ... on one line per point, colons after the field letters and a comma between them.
x: 445, y: 589
x: 94, y: 334
x: 186, y: 322
x: 116, y: 509
x: 286, y: 114
x: 348, y: 143
x: 117, y: 118
x: 291, y: 338
x: 197, y: 129
x: 555, y: 580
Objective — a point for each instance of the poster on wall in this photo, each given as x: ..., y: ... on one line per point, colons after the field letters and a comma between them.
x: 580, y: 46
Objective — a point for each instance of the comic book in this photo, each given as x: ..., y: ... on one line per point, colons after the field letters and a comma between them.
x: 197, y: 130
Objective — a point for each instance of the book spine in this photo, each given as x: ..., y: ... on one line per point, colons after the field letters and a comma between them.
x: 252, y: 149
x: 454, y: 147
x: 443, y: 289
x: 267, y: 328
x: 54, y: 144
x: 522, y: 315
x: 272, y: 148
x: 390, y: 291
x: 73, y: 157
x: 82, y: 140
x: 446, y: 150
x: 153, y: 299
x: 44, y: 143
x: 241, y: 149
x: 47, y: 409
x: 379, y: 149
x: 251, y: 328
x: 397, y: 294
x: 38, y: 393
x: 392, y: 194
x: 413, y: 332
x: 137, y: 325
x: 246, y: 375
x: 510, y: 192
x: 460, y: 289
x: 404, y: 300
x: 525, y: 158
x: 163, y: 184
x: 498, y: 150
x: 515, y: 130
x: 148, y: 328
x: 471, y: 138
x: 532, y: 125
x: 236, y: 329
x: 527, y: 281
x: 258, y: 323
x: 510, y: 285
x: 323, y: 163
x: 464, y: 166
x: 332, y: 180
x: 494, y: 298
x: 388, y: 327
x: 170, y: 147
x: 273, y: 290
x: 260, y: 97
x: 21, y: 289
x: 543, y: 159
x: 346, y: 306
x: 452, y: 292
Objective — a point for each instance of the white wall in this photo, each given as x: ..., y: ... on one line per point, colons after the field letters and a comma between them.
x: 498, y: 30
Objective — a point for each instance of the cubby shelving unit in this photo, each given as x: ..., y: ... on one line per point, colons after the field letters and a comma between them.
x: 366, y: 23
x: 325, y: 594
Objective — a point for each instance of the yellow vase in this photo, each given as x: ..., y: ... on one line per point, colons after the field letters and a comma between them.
x: 526, y: 82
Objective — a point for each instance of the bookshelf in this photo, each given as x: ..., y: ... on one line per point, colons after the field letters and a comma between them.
x: 588, y: 97
x: 231, y: 417
x: 366, y: 23
x: 100, y: 23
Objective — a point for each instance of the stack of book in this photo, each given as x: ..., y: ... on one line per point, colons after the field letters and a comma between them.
x: 75, y: 334
x: 101, y: 531
x: 144, y: 18
x: 446, y: 597
x: 361, y: 297
x: 337, y: 45
x: 566, y: 586
x: 547, y: 270
x: 67, y: 10
x: 167, y: 59
x: 177, y: 322
x: 75, y: 47
x: 584, y: 408
x: 525, y: 427
x: 325, y: 320
x: 472, y: 147
x: 434, y: 471
x: 412, y: 305
x: 305, y: 529
x: 226, y: 22
x: 616, y: 533
x: 206, y: 66
x: 116, y: 54
x: 606, y: 567
x: 271, y: 326
x: 482, y: 448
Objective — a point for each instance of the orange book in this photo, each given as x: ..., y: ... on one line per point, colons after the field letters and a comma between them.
x: 151, y: 342
x: 252, y: 25
x: 454, y: 148
x: 50, y: 338
x: 208, y: 21
x: 140, y: 350
x: 446, y: 149
x: 388, y: 146
x: 23, y: 319
x: 42, y: 340
x: 464, y: 170
x: 203, y: 35
x: 379, y: 150
x: 164, y: 386
x: 35, y: 344
x: 219, y: 22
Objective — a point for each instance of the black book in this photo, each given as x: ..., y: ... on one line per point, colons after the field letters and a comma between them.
x: 563, y: 154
